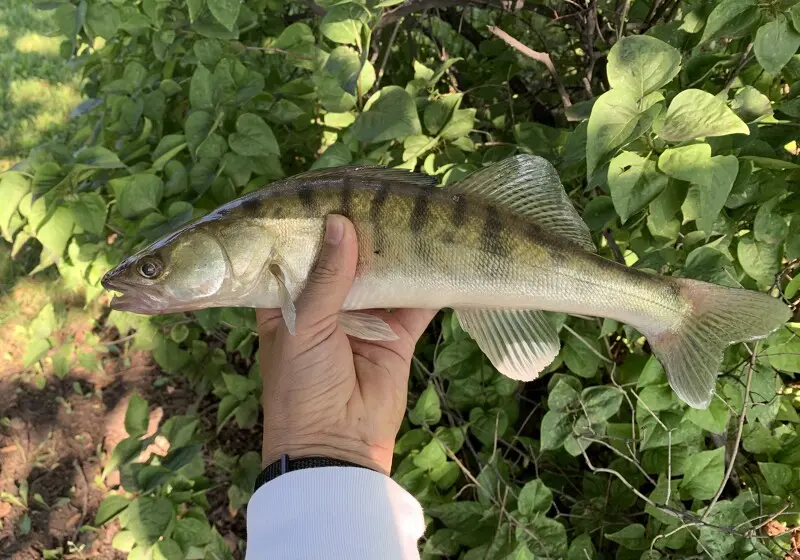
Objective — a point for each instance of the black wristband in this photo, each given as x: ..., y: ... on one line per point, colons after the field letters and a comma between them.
x: 285, y: 464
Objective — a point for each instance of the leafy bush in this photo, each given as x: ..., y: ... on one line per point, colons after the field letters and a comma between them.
x: 673, y: 124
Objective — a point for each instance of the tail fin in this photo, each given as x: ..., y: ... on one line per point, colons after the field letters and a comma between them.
x: 717, y: 317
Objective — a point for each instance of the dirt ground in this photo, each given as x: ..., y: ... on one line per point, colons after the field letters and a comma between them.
x: 56, y: 432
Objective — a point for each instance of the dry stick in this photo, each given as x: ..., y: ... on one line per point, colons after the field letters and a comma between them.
x: 542, y: 57
x: 738, y: 434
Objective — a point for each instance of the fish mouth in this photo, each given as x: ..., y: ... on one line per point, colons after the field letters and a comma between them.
x: 131, y: 298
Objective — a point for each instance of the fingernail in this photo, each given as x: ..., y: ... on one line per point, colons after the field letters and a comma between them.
x: 334, y: 230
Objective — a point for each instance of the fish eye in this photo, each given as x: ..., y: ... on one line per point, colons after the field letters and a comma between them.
x: 150, y: 269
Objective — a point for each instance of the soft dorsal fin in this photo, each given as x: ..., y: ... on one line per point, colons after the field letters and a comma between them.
x: 529, y: 186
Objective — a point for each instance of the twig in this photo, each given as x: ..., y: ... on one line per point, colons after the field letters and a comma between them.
x: 79, y: 468
x: 739, y: 67
x: 589, y: 346
x: 387, y: 48
x: 622, y: 19
x: 738, y: 434
x: 542, y: 57
x: 772, y: 517
x: 612, y: 244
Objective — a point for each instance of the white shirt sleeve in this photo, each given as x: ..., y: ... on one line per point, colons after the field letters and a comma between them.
x: 333, y: 513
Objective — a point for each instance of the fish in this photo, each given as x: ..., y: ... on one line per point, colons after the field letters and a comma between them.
x: 504, y: 248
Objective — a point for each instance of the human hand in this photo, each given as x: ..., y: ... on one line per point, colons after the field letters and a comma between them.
x: 325, y: 393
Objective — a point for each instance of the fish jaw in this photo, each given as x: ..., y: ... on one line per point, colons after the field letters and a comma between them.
x: 132, y: 298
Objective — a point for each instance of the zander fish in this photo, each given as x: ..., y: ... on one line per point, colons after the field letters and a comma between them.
x: 502, y: 247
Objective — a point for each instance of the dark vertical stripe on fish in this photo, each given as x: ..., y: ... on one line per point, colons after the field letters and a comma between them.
x: 458, y: 215
x: 419, y: 214
x: 306, y: 195
x: 345, y: 199
x: 375, y: 210
x: 492, y: 239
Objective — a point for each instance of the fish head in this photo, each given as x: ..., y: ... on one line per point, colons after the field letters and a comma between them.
x: 176, y: 273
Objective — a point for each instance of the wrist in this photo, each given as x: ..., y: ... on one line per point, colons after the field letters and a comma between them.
x: 359, y: 455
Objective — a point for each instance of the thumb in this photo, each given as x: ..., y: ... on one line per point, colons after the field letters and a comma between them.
x: 331, y: 279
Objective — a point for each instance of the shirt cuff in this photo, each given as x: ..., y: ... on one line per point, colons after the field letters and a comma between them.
x: 333, y: 512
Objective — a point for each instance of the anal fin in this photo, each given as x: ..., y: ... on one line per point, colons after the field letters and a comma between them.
x: 520, y: 343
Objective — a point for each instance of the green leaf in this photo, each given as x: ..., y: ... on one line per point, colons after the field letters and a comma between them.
x: 343, y: 23
x: 775, y: 44
x: 149, y: 519
x: 641, y: 64
x: 431, y: 456
x: 109, y: 508
x: 427, y: 410
x: 253, y: 137
x: 563, y: 397
x: 535, y: 497
x: 167, y: 549
x: 489, y: 425
x: 335, y: 155
x: 390, y: 114
x: 634, y: 181
x: 601, y: 403
x: 225, y: 11
x: 579, y: 357
x: 545, y: 537
x: 730, y: 18
x: 90, y: 212
x: 582, y: 548
x: 750, y: 104
x: 238, y: 385
x: 713, y: 419
x: 612, y: 123
x: 769, y: 225
x: 201, y: 89
x: 632, y: 537
x: 779, y: 478
x: 14, y: 187
x: 125, y: 451
x: 461, y: 515
x: 461, y: 124
x: 139, y: 194
x: 759, y: 260
x: 694, y: 113
x: 555, y: 428
x: 439, y: 111
x: 702, y: 474
x: 723, y: 171
x: 198, y: 126
x: 136, y: 416
x: 98, y: 157
x: 56, y: 231
x: 191, y: 532
x: 657, y: 397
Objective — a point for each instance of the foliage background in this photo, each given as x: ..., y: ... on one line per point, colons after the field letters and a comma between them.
x: 673, y: 124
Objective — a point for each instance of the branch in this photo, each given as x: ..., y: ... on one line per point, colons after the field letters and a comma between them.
x: 410, y: 6
x: 738, y: 434
x: 542, y: 57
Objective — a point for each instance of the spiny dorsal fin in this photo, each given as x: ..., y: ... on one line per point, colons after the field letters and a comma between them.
x: 369, y: 173
x: 529, y: 186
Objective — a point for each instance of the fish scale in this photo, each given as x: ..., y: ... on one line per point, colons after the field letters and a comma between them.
x: 504, y: 247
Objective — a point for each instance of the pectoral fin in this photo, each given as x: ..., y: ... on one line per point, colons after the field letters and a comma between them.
x: 366, y: 326
x: 520, y: 343
x: 285, y: 291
